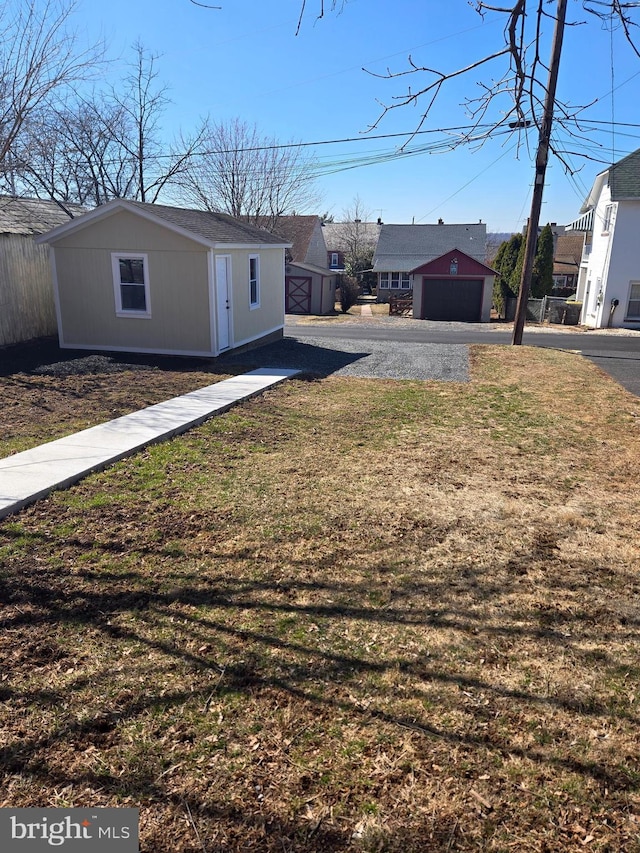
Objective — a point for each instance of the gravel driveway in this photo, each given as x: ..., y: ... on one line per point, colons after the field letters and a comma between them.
x: 366, y: 359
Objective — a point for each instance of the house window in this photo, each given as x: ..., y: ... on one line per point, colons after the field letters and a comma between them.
x: 633, y: 309
x: 606, y: 222
x: 131, y: 285
x: 334, y: 259
x: 254, y: 281
x: 395, y: 280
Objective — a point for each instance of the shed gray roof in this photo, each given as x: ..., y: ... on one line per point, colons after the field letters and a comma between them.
x: 402, y: 248
x: 312, y: 268
x: 214, y: 227
x: 30, y: 216
x: 211, y: 229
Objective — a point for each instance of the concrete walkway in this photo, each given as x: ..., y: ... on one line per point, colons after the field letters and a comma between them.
x: 26, y: 477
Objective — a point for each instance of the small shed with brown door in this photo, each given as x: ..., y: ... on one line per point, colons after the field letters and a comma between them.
x: 309, y: 289
x: 454, y: 287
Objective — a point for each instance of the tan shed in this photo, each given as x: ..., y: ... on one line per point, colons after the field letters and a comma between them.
x: 150, y: 278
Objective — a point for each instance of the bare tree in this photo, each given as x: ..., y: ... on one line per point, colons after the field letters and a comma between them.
x: 357, y: 237
x: 514, y: 81
x: 40, y: 58
x: 72, y: 153
x: 143, y: 100
x: 102, y: 145
x: 249, y: 176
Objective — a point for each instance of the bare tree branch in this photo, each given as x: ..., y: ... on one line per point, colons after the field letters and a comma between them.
x: 241, y: 173
x: 40, y: 57
x: 514, y: 97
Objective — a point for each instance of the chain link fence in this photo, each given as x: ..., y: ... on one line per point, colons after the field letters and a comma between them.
x: 551, y: 309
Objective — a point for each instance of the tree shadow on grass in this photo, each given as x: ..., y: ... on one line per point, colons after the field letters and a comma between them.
x: 188, y: 652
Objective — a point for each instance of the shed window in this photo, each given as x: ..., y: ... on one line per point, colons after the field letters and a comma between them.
x: 633, y: 310
x: 131, y: 285
x: 254, y: 281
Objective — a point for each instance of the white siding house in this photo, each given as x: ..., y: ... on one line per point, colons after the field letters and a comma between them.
x: 609, y: 281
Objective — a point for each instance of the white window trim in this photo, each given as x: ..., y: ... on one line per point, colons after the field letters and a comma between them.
x: 607, y: 219
x: 115, y: 269
x: 334, y: 259
x: 628, y: 316
x: 256, y: 304
x: 402, y: 280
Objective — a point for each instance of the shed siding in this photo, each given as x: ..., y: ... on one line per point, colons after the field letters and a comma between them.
x: 26, y: 292
x: 126, y: 232
x: 87, y: 303
x: 249, y: 325
x: 327, y: 295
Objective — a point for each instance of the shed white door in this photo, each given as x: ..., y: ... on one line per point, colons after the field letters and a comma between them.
x: 223, y: 297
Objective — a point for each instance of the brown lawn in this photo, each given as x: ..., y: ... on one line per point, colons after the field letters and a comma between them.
x: 347, y: 615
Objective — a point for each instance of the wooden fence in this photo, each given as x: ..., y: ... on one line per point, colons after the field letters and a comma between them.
x: 27, y: 307
x: 401, y: 306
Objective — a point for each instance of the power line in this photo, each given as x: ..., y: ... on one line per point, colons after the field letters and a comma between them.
x: 464, y: 186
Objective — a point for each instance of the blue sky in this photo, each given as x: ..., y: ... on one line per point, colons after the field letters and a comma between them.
x: 246, y: 61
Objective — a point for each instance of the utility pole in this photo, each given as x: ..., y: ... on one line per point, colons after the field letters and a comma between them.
x: 542, y: 158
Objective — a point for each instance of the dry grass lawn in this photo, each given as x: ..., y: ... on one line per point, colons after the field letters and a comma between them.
x: 347, y: 615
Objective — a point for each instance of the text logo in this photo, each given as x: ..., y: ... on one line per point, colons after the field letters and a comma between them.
x: 36, y: 830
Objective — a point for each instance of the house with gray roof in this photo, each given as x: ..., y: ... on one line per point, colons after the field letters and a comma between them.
x: 609, y: 278
x: 349, y: 238
x: 152, y: 278
x: 405, y: 249
x: 26, y: 289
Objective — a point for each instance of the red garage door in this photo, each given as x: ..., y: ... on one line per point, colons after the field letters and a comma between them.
x: 452, y: 299
x: 298, y: 294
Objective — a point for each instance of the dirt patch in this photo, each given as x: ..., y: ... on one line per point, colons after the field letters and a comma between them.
x: 46, y: 392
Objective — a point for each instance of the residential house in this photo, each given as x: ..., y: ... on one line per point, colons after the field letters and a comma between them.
x: 150, y: 278
x: 566, y: 262
x: 27, y: 308
x: 403, y: 251
x: 346, y: 238
x: 310, y: 288
x: 609, y: 278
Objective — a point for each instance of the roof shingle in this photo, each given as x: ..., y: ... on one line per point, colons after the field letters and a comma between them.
x: 213, y: 227
x: 402, y: 248
x: 30, y: 216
